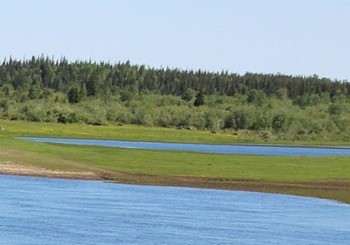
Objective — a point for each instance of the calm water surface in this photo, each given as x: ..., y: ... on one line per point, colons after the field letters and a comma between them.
x: 53, y: 211
x: 220, y: 149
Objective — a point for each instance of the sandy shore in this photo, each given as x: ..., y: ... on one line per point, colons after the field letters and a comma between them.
x: 11, y: 168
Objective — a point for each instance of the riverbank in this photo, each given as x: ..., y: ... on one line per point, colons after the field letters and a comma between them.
x: 335, y: 190
x: 324, y: 177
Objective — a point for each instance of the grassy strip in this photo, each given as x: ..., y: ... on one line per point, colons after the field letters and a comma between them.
x: 140, y: 133
x: 126, y: 132
x: 326, y: 177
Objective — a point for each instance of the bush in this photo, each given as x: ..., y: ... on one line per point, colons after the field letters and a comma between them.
x: 188, y: 95
x: 62, y: 118
x: 4, y: 104
x: 261, y: 121
x: 32, y: 113
x: 257, y: 97
x: 142, y: 118
x: 279, y: 122
x: 335, y: 109
x: 93, y: 113
x: 239, y: 119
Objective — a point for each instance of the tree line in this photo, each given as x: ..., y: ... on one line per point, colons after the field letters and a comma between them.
x: 91, y: 79
x: 263, y: 105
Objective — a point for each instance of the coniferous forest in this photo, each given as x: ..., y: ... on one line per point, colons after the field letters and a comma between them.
x: 268, y: 106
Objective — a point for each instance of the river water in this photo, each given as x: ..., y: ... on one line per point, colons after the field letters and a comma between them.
x: 219, y: 149
x: 55, y: 211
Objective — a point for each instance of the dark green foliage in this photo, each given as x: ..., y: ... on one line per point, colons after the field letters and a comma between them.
x: 126, y: 96
x: 7, y: 89
x: 188, y: 95
x: 47, y: 93
x: 281, y: 93
x: 100, y: 78
x: 260, y: 121
x: 199, y: 99
x: 301, y: 101
x: 4, y: 104
x: 337, y: 95
x: 335, y: 109
x: 91, y: 87
x: 278, y: 122
x: 34, y: 93
x: 257, y: 97
x: 239, y: 119
x: 83, y: 91
x: 73, y: 95
x: 62, y: 118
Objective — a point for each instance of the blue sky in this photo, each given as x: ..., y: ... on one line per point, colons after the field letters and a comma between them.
x: 298, y: 37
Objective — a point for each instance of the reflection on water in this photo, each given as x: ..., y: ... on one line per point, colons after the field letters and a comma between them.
x: 53, y: 211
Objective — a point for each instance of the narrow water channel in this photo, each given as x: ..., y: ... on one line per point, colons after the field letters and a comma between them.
x: 207, y: 148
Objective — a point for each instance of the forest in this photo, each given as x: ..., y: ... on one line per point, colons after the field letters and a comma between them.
x: 269, y: 106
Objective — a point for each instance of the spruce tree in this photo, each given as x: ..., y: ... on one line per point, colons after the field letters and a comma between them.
x: 199, y: 99
x: 73, y: 95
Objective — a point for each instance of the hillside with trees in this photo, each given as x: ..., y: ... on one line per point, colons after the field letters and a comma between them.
x: 269, y: 106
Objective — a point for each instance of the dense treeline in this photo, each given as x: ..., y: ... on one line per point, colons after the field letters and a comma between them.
x: 102, y: 78
x: 43, y: 89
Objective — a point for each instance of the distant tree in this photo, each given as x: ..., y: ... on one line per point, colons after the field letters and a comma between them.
x: 83, y: 91
x: 73, y: 95
x: 301, y: 101
x: 33, y: 92
x: 199, y: 99
x: 92, y: 84
x: 337, y: 96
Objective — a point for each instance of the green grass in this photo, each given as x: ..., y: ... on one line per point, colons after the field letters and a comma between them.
x: 326, y: 177
x: 140, y: 133
x: 266, y: 168
x: 125, y: 132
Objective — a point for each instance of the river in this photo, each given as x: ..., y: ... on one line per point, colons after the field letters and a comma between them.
x: 207, y: 148
x: 56, y: 211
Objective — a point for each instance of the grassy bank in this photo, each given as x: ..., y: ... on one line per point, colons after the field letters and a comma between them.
x: 325, y: 177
